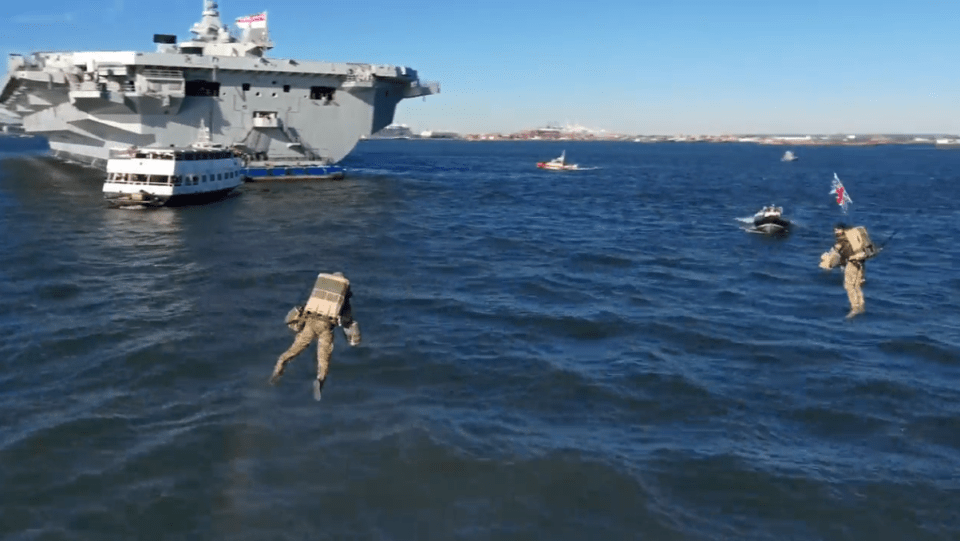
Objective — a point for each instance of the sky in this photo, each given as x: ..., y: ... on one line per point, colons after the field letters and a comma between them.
x: 635, y: 66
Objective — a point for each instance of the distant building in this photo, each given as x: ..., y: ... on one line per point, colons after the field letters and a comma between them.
x: 439, y: 135
x: 394, y: 131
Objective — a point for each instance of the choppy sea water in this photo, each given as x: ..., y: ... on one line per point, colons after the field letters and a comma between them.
x: 592, y: 355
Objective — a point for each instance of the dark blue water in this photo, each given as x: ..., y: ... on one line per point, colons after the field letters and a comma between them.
x: 592, y: 355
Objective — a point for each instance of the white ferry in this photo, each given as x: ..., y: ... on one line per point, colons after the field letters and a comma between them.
x: 157, y: 177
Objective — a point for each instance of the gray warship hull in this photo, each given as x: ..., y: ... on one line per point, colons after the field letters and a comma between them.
x: 86, y: 103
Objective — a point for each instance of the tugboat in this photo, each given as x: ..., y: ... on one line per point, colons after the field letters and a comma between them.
x: 558, y: 164
x: 789, y: 156
x: 770, y: 220
x: 176, y: 176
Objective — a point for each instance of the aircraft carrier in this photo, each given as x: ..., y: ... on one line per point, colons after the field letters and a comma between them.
x: 272, y: 110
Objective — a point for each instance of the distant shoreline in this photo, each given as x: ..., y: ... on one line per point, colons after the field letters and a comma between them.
x: 904, y: 141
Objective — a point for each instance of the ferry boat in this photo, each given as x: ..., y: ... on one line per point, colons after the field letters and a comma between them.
x: 558, y: 164
x: 770, y: 220
x: 788, y: 156
x: 176, y: 176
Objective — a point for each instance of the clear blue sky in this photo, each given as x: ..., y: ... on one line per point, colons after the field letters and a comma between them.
x: 633, y: 66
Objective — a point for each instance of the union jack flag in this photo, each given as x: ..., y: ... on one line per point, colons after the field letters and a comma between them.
x: 843, y: 198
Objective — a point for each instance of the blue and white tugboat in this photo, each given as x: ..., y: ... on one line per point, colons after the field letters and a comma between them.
x: 175, y: 176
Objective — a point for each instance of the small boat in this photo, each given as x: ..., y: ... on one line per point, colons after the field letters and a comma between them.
x: 175, y: 176
x: 789, y: 156
x: 558, y: 164
x: 770, y: 220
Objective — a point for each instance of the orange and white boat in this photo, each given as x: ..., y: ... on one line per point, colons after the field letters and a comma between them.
x: 558, y: 164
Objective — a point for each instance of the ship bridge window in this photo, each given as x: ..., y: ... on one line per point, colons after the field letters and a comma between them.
x: 202, y: 88
x: 322, y: 93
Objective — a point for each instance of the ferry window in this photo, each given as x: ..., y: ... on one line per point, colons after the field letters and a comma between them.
x: 274, y: 94
x: 200, y: 88
x: 322, y: 92
x: 286, y: 88
x: 246, y: 86
x: 258, y: 94
x: 203, y: 178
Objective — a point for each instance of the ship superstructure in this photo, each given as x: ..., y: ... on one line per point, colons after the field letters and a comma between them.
x: 86, y: 103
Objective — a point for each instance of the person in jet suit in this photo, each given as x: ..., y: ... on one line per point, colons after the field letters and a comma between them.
x: 853, y: 263
x: 311, y: 326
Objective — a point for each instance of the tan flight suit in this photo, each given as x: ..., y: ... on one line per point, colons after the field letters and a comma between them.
x: 853, y: 275
x: 317, y: 328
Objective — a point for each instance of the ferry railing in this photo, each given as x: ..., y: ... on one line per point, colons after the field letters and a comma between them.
x: 148, y: 180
